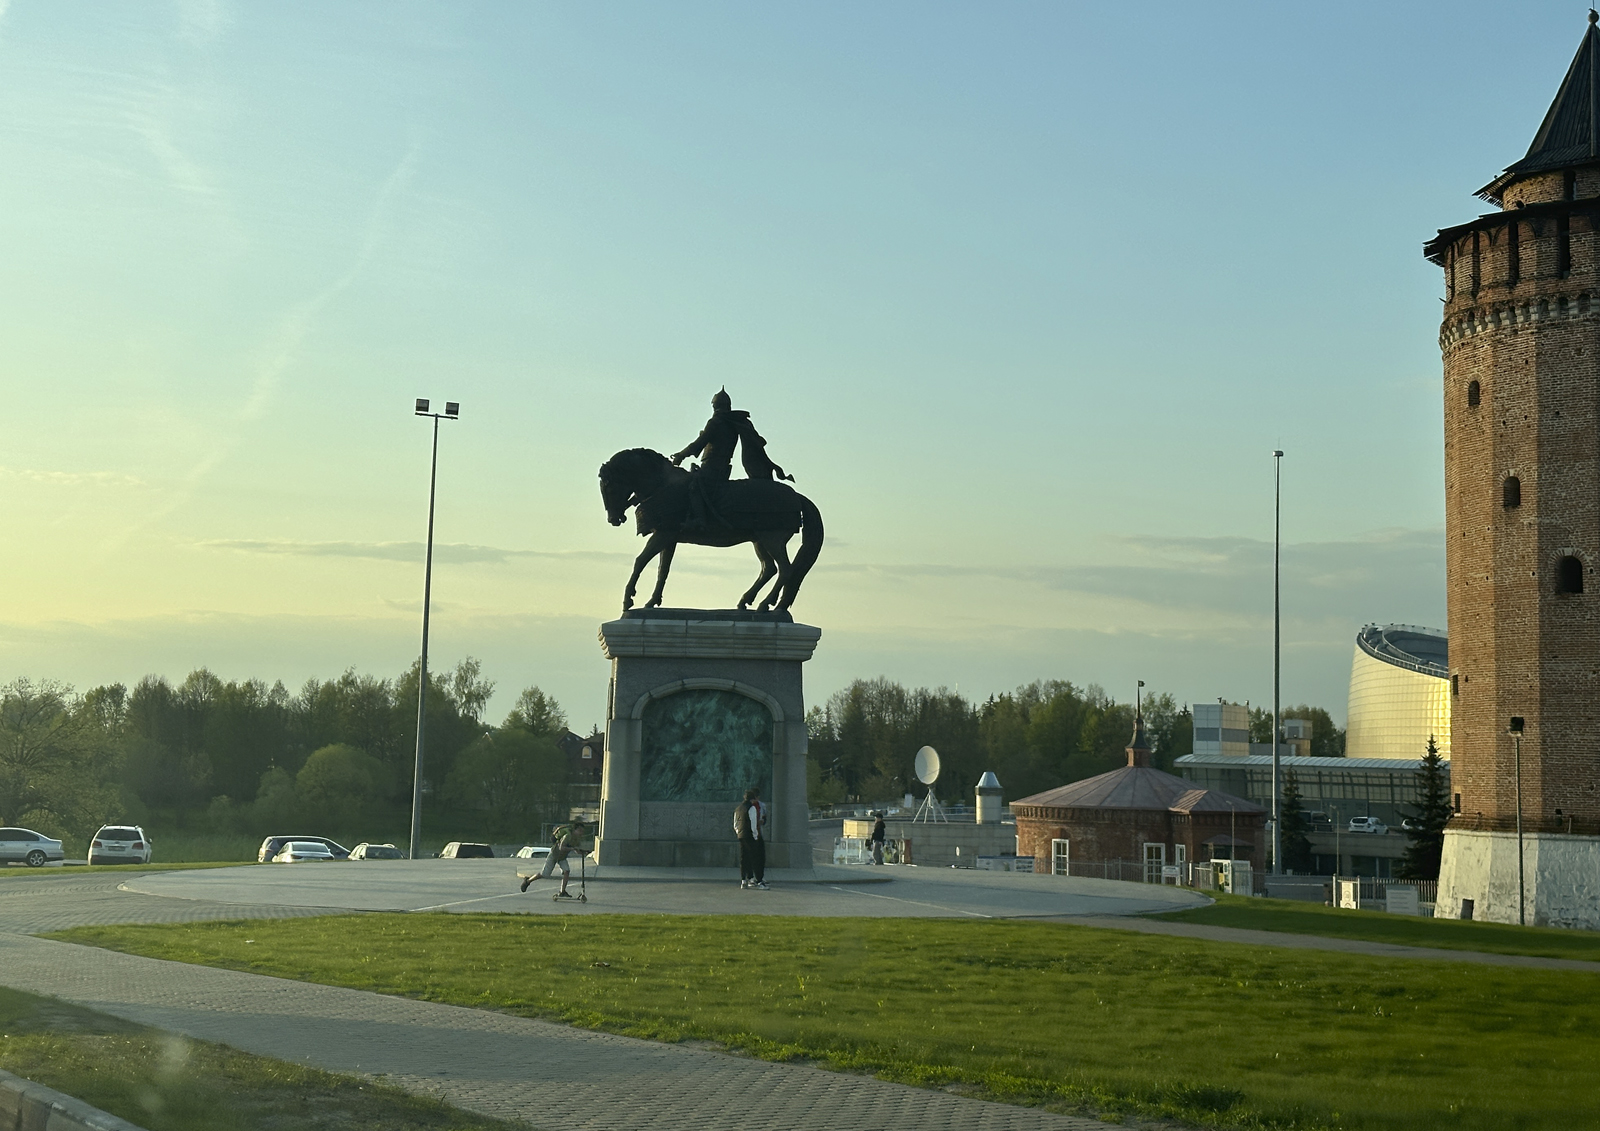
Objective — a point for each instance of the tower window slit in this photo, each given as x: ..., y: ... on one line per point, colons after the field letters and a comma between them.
x: 1563, y: 245
x: 1513, y: 253
x: 1511, y: 492
x: 1569, y: 575
x: 1474, y: 394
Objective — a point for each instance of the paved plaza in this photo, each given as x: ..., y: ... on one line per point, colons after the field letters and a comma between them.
x: 492, y: 886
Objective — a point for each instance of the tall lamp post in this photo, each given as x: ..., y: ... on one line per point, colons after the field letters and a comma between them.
x: 1277, y: 641
x: 1515, y: 730
x: 452, y: 411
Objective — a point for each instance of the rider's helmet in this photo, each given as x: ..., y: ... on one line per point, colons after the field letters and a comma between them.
x: 721, y: 401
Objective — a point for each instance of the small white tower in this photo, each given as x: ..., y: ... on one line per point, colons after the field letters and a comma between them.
x: 988, y: 792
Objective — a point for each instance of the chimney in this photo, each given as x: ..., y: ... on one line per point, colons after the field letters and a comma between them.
x: 1139, y: 746
x: 988, y: 799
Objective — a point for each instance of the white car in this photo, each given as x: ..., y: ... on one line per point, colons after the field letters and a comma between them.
x: 303, y: 852
x: 532, y: 852
x: 24, y: 846
x: 1367, y: 825
x: 120, y: 844
x: 366, y: 851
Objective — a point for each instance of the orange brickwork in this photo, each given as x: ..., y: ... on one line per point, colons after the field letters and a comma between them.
x: 1521, y: 345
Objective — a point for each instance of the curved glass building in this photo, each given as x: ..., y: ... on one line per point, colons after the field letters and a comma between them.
x: 1399, y: 692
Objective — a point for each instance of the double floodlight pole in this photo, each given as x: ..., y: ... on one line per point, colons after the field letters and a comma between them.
x: 452, y: 411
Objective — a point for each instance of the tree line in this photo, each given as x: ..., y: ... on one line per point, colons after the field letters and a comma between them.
x: 245, y: 756
x: 238, y: 757
x: 1044, y: 734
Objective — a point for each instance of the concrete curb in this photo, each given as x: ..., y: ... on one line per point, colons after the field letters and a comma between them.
x: 633, y: 873
x: 26, y: 1106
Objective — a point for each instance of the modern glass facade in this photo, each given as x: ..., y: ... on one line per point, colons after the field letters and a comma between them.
x: 1399, y: 693
x: 1342, y: 788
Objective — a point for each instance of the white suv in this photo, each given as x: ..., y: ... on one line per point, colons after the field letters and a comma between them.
x: 120, y: 844
x: 1367, y: 825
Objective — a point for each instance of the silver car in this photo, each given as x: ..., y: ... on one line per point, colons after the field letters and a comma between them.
x: 120, y: 844
x: 24, y: 846
x: 302, y: 852
x: 367, y: 851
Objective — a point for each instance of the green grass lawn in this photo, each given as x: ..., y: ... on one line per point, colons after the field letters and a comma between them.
x: 1299, y: 918
x: 1108, y: 1021
x: 167, y: 1083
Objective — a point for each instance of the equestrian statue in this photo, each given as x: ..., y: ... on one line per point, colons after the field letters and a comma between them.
x: 705, y: 507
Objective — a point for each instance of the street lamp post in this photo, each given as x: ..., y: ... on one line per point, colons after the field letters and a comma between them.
x: 452, y: 411
x: 1515, y: 730
x: 1277, y: 640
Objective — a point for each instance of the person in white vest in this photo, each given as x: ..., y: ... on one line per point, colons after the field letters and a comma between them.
x: 749, y: 825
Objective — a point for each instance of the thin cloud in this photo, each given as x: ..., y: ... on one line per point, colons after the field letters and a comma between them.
x: 1402, y: 569
x: 453, y: 552
x: 72, y: 478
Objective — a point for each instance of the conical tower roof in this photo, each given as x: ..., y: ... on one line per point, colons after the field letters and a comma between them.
x: 1570, y: 132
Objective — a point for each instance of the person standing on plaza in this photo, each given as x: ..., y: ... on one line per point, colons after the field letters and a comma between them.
x: 877, y: 839
x: 749, y: 820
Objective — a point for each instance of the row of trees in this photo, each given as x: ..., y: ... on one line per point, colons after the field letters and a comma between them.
x: 1041, y: 735
x: 244, y: 756
x: 239, y: 757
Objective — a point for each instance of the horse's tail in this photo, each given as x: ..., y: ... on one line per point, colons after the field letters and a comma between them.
x: 810, y: 547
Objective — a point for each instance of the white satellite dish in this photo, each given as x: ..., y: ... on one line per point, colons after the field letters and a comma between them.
x: 927, y: 767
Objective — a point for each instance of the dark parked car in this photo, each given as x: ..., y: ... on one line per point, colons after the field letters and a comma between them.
x: 274, y: 845
x: 465, y: 850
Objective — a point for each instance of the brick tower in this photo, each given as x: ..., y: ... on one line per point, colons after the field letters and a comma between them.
x: 1521, y: 345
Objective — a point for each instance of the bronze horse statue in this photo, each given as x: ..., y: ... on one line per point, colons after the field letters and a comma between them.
x: 759, y: 511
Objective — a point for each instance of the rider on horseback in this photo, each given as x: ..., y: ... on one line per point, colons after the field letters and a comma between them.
x: 714, y: 446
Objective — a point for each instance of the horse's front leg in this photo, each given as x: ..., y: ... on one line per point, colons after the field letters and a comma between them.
x: 767, y: 570
x: 651, y: 549
x: 661, y: 575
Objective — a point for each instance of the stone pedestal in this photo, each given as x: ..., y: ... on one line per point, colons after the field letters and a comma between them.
x: 703, y: 705
x: 1561, y: 878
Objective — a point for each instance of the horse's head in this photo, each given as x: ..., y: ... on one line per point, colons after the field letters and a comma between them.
x: 636, y: 472
x: 616, y: 498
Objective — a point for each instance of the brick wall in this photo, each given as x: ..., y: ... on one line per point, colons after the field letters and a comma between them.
x: 1098, y: 835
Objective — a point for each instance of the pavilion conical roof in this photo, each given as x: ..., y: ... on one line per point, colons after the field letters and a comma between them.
x: 1570, y: 132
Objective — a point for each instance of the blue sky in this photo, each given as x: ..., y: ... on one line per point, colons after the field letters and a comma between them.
x: 1023, y: 294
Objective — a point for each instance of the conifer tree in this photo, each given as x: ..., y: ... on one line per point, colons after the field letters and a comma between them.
x: 1296, y: 827
x: 1428, y: 818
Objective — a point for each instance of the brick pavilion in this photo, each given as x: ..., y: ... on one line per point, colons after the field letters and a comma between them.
x: 1137, y: 814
